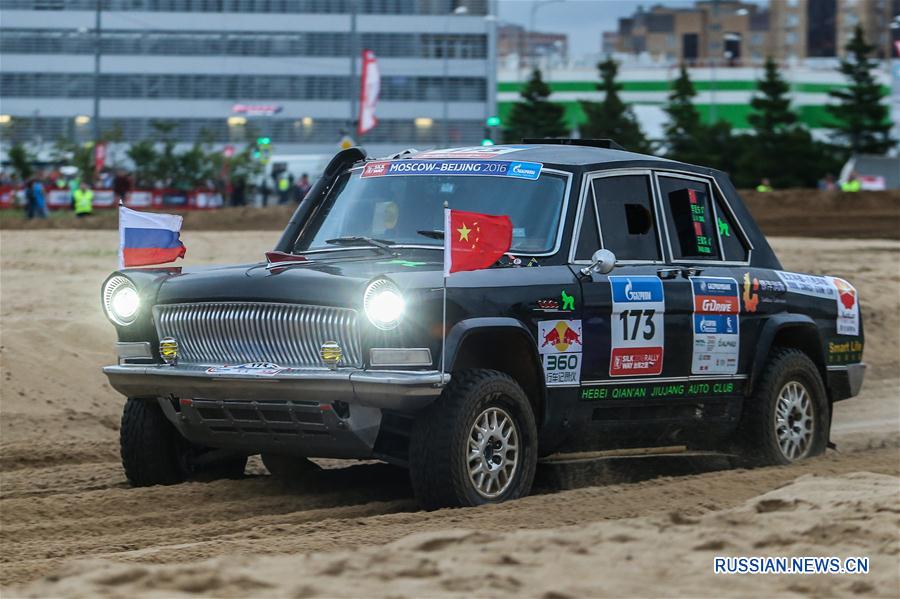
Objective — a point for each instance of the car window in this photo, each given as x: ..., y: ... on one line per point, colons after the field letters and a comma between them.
x: 396, y: 208
x: 588, y: 236
x: 692, y: 226
x: 734, y: 247
x: 627, y: 216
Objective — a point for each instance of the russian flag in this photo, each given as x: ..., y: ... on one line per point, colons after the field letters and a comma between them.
x: 148, y: 238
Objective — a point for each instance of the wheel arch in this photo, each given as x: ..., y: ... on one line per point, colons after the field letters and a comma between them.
x: 503, y: 344
x: 795, y: 331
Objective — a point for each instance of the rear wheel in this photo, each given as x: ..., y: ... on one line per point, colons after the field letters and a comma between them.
x: 787, y: 418
x: 154, y: 453
x: 477, y: 444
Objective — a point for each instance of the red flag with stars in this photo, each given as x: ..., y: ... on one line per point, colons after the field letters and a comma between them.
x: 473, y: 240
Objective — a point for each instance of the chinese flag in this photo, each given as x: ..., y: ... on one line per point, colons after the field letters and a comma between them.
x: 473, y: 240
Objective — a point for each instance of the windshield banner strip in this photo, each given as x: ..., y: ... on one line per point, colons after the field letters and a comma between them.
x: 489, y: 168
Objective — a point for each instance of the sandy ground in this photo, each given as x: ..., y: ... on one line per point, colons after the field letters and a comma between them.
x: 638, y: 527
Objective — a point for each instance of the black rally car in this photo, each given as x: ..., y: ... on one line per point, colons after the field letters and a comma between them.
x: 639, y: 306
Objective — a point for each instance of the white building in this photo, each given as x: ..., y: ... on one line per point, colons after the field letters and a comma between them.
x: 196, y: 63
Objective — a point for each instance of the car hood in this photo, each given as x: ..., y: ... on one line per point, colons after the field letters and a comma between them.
x: 325, y: 281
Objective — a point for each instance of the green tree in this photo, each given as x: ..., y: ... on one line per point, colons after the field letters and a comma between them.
x: 612, y: 118
x: 862, y: 121
x: 143, y: 155
x: 772, y: 114
x: 22, y: 161
x: 535, y: 115
x: 684, y: 130
x: 780, y: 148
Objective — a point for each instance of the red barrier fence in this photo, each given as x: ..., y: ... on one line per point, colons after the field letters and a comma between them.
x: 169, y: 199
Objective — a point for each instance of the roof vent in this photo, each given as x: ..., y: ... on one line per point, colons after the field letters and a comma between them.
x: 563, y: 141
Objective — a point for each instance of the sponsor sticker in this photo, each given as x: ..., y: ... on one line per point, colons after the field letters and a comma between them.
x: 560, y: 344
x: 716, y: 326
x: 638, y: 318
x: 249, y: 369
x: 804, y: 284
x: 484, y: 168
x: 847, y: 307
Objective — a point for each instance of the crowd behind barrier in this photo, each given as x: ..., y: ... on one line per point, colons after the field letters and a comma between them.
x: 13, y: 196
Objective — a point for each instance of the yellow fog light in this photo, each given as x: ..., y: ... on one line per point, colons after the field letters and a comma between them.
x: 331, y: 353
x: 168, y: 350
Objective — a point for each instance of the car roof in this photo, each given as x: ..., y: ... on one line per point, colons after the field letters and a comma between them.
x: 558, y: 154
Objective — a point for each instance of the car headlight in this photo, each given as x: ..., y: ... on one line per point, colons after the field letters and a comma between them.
x: 384, y: 304
x: 121, y: 300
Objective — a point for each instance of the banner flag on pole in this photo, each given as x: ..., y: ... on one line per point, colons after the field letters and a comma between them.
x: 473, y: 240
x: 147, y: 238
x: 369, y: 89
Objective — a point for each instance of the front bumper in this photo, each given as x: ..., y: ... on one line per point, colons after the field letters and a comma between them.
x: 291, y: 412
x: 401, y: 390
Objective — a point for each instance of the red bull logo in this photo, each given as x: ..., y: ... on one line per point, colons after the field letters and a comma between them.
x: 561, y: 337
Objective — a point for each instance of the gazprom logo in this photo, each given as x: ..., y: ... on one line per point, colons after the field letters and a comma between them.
x: 636, y: 289
x: 524, y: 170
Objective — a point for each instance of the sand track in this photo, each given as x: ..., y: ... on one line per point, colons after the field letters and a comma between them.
x: 63, y: 495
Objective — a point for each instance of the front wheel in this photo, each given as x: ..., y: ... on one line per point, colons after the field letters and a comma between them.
x: 154, y: 453
x: 787, y: 417
x: 476, y: 444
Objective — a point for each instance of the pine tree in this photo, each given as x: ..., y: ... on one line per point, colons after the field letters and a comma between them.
x: 612, y: 118
x: 535, y: 116
x: 684, y: 129
x: 772, y: 112
x: 861, y: 119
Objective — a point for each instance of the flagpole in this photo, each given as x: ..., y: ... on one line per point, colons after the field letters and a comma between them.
x: 444, y: 308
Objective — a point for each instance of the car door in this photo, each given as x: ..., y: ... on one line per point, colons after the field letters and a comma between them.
x: 705, y: 299
x: 624, y: 311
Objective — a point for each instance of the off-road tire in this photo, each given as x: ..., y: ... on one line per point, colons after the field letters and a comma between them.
x: 289, y: 469
x: 154, y: 453
x: 438, y: 444
x: 756, y: 442
x: 149, y: 445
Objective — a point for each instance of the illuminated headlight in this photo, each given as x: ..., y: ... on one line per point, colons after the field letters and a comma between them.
x: 121, y: 300
x: 384, y: 304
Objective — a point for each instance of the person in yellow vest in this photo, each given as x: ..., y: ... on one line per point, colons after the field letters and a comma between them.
x: 764, y: 186
x: 852, y: 184
x: 83, y: 198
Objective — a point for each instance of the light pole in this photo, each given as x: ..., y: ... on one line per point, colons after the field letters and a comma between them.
x: 354, y: 51
x: 97, y: 38
x: 445, y: 122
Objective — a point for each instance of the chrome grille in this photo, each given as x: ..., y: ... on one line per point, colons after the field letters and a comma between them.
x: 243, y: 332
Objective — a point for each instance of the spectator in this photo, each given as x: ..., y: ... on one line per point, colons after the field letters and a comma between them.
x: 83, y: 200
x: 852, y: 184
x: 827, y: 183
x: 121, y: 185
x: 764, y: 186
x: 264, y: 190
x: 38, y: 202
x: 284, y: 188
x: 239, y: 192
x: 302, y: 188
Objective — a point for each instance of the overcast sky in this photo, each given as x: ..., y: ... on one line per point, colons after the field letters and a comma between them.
x: 583, y: 20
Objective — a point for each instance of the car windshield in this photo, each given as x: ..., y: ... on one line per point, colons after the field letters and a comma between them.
x: 396, y: 209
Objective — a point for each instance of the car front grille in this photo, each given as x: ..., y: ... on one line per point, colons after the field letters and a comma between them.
x: 234, y: 333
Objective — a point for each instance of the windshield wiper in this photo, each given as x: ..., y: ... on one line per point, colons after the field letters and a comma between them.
x: 381, y: 244
x: 431, y: 233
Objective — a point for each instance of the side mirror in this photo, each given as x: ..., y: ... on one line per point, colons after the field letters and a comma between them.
x: 602, y: 262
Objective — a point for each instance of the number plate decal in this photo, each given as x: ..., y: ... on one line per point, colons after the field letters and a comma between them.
x: 638, y: 318
x: 559, y: 342
x: 716, y: 325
